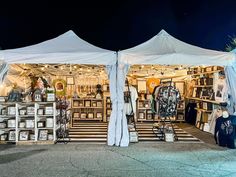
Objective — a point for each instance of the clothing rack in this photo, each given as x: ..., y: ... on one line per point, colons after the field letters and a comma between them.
x: 166, y: 118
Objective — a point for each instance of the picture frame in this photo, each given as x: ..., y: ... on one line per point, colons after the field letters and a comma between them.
x: 60, y: 87
x: 12, y: 135
x: 94, y: 104
x: 11, y: 110
x: 90, y: 115
x: 70, y: 81
x: 76, y: 115
x: 99, y: 103
x: 29, y: 123
x: 24, y: 135
x: 40, y: 111
x: 83, y: 115
x: 108, y: 112
x: 43, y: 135
x: 48, y: 110
x: 41, y: 124
x: 75, y: 103
x: 141, y: 115
x: 87, y: 103
x: 30, y: 110
x: 98, y: 115
x: 22, y: 111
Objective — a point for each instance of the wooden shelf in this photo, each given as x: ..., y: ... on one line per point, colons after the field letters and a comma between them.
x: 203, y: 110
x: 77, y: 118
x: 83, y: 107
x: 209, y: 72
x: 205, y: 100
x: 203, y: 86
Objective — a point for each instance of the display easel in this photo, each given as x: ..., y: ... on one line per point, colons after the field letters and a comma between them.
x: 165, y: 118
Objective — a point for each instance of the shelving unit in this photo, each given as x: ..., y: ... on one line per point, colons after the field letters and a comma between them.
x: 144, y: 112
x: 87, y: 109
x: 24, y: 119
x: 108, y: 108
x: 204, y: 93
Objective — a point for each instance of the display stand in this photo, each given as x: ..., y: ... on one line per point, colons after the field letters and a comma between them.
x: 165, y: 125
x: 63, y: 119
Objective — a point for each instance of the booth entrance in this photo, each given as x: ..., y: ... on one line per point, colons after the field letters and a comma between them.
x: 80, y: 93
x: 202, y: 86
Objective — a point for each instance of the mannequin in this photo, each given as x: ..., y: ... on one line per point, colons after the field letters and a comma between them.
x: 225, y: 133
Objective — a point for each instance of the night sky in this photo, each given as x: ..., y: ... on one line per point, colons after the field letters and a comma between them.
x: 119, y: 24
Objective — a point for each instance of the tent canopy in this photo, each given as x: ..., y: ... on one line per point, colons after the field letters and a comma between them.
x: 165, y: 49
x: 66, y: 48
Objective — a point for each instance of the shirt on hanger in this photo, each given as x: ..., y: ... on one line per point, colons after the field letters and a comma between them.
x: 225, y: 129
x: 134, y: 96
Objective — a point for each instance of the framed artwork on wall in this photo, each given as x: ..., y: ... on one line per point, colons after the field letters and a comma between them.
x: 70, y: 81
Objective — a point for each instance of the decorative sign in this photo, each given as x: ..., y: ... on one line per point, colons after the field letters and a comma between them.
x: 60, y: 87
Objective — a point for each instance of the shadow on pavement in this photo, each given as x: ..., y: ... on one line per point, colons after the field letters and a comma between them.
x: 6, y: 158
x: 6, y: 146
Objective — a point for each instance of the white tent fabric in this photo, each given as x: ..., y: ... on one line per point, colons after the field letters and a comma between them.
x: 167, y: 50
x: 68, y: 48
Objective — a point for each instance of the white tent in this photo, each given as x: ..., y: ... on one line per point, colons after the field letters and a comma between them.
x: 166, y: 50
x: 68, y: 48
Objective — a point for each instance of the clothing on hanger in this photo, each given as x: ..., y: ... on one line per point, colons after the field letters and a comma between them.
x: 225, y: 132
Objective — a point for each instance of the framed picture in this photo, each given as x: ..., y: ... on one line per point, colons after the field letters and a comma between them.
x: 12, y: 135
x: 99, y: 115
x: 40, y: 111
x: 11, y: 110
x: 76, y: 114
x: 75, y: 103
x: 141, y: 115
x: 70, y: 81
x: 90, y: 115
x: 60, y: 87
x: 83, y: 115
x: 30, y: 110
x: 40, y: 124
x: 29, y: 123
x: 94, y: 104
x: 87, y: 103
x: 108, y: 112
x: 24, y: 135
x: 99, y: 103
x: 22, y: 111
x: 43, y: 135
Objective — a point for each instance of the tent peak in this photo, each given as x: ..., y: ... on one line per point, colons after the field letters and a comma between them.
x: 162, y: 33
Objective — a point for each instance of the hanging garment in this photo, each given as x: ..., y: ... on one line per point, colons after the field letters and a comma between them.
x: 134, y: 96
x: 221, y: 90
x: 167, y: 99
x: 212, y: 120
x: 154, y: 102
x: 191, y: 113
x: 225, y: 133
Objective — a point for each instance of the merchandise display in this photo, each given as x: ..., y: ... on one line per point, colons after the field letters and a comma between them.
x: 25, y: 126
x: 225, y: 130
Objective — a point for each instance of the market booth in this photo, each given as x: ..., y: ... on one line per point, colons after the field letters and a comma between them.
x: 165, y: 57
x: 64, y: 60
